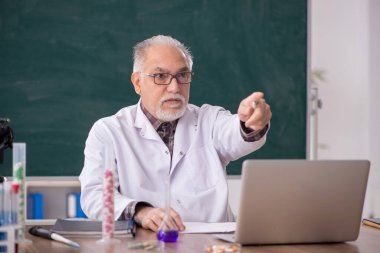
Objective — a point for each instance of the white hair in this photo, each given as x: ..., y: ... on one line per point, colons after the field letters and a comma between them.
x: 139, y: 50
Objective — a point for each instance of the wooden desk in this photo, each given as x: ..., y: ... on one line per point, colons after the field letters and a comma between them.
x: 368, y: 242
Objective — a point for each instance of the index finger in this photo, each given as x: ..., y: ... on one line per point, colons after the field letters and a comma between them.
x: 254, y: 97
x: 252, y: 100
x: 177, y: 219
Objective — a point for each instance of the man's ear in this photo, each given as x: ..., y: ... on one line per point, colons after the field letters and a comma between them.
x: 136, y: 79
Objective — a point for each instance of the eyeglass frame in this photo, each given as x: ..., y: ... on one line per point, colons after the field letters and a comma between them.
x: 171, y: 77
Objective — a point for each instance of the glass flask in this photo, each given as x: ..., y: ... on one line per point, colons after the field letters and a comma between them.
x: 168, y: 230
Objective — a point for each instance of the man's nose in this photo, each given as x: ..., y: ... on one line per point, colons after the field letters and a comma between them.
x: 173, y: 86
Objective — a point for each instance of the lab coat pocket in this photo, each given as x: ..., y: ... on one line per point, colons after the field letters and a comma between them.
x: 203, y: 167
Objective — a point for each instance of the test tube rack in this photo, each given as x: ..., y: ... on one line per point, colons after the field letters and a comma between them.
x: 11, y: 238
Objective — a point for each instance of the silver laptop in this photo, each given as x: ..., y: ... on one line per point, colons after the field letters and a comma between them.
x: 300, y: 201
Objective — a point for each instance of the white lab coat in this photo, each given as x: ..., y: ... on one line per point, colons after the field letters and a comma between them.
x: 207, y: 138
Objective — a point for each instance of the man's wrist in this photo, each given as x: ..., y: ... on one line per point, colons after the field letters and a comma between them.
x: 250, y: 135
x: 133, y: 208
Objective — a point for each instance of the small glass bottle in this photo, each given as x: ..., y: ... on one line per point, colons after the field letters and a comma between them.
x: 168, y: 230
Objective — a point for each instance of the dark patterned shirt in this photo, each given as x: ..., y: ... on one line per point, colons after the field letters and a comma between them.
x: 165, y: 130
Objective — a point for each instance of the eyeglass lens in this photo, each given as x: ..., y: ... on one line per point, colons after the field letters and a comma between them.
x: 166, y: 78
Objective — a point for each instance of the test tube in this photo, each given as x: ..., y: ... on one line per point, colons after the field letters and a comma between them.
x: 19, y: 160
x: 19, y: 165
x: 108, y: 221
x: 15, y: 202
x: 3, y: 212
x: 7, y: 211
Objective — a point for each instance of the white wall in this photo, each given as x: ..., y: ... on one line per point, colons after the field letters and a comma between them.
x: 339, y: 45
x: 374, y: 102
x: 345, y: 42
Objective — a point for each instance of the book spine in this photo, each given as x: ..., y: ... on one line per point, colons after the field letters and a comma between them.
x: 79, y: 211
x: 71, y: 205
x: 38, y: 205
x: 30, y: 206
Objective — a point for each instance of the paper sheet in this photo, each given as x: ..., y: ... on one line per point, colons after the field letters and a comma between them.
x: 203, y: 228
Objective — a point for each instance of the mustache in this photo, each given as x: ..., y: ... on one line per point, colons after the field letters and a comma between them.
x: 174, y: 96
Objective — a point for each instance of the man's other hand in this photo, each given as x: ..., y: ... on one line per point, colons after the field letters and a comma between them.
x: 151, y: 218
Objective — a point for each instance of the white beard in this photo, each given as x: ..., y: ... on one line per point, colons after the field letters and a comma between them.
x: 165, y: 116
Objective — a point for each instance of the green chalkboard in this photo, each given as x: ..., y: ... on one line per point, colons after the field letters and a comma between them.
x: 65, y: 64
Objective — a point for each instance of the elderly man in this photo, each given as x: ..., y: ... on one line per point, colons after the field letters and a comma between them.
x: 163, y: 138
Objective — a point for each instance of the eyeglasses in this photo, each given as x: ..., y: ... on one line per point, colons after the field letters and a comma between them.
x: 166, y: 78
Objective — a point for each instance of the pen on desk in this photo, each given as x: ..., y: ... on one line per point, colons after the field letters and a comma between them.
x: 45, y: 233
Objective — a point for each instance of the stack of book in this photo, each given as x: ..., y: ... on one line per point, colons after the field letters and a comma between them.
x: 88, y: 227
x: 35, y: 206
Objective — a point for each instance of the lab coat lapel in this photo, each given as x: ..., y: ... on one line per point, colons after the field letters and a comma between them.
x: 185, y: 131
x: 146, y: 129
